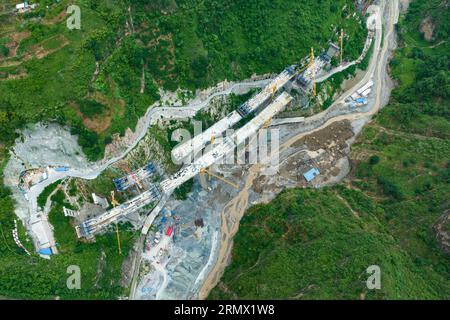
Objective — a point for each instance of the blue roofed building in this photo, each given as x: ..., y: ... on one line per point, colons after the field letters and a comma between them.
x: 311, y: 174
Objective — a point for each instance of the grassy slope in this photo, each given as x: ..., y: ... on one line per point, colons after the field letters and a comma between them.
x: 309, y: 244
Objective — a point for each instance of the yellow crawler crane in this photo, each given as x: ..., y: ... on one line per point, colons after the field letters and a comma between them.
x: 114, y: 204
x: 113, y: 199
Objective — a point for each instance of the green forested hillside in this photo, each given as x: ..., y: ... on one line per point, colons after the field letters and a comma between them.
x: 50, y: 73
x: 317, y: 244
x: 310, y: 244
x: 209, y: 41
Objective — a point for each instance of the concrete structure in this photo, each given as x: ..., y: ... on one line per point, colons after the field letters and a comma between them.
x: 281, y: 121
x: 305, y: 78
x: 70, y: 213
x: 228, y: 145
x: 193, y: 146
x: 332, y: 50
x: 41, y: 230
x: 89, y: 227
x: 100, y: 201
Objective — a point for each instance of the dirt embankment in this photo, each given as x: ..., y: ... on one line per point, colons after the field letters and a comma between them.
x: 324, y: 150
x: 101, y: 122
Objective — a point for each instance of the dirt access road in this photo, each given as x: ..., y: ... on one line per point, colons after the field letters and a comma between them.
x: 235, y: 209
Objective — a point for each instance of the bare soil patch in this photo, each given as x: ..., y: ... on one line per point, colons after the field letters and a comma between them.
x: 14, y: 44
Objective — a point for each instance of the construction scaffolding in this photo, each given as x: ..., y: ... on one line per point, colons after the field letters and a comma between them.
x: 135, y: 177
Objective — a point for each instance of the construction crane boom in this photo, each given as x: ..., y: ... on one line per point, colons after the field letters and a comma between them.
x: 273, y: 91
x: 204, y: 170
x: 113, y: 199
x: 301, y: 70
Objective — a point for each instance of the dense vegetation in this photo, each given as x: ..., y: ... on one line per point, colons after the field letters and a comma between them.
x: 43, y: 196
x: 421, y: 102
x: 310, y: 244
x: 208, y: 41
x: 60, y: 82
x: 182, y: 191
x: 317, y: 244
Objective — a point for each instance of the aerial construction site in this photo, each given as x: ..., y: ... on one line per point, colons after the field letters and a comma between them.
x: 184, y: 242
x: 266, y: 104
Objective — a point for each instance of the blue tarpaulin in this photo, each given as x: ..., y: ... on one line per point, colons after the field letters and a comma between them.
x: 311, y: 174
x: 361, y: 100
x: 61, y: 169
x: 46, y: 251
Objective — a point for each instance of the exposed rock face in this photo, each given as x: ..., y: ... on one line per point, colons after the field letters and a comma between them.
x: 427, y: 29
